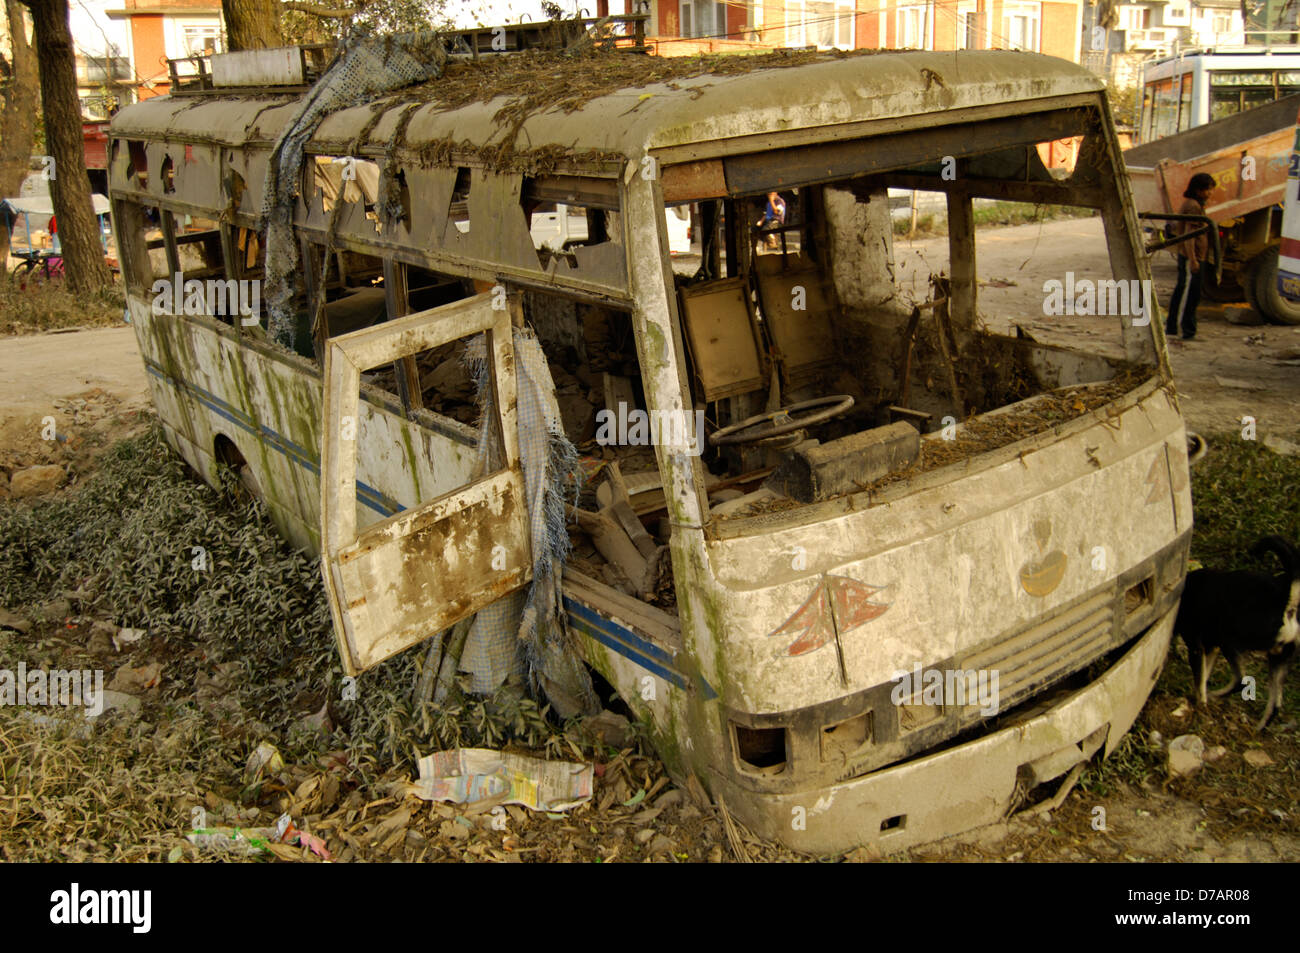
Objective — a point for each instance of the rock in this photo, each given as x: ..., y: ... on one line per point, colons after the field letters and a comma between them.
x: 1186, y: 756
x: 1215, y: 753
x: 1182, y: 711
x: 611, y: 728
x: 120, y: 701
x: 133, y: 681
x: 1282, y: 447
x: 1242, y: 316
x: 1237, y: 384
x: 1257, y: 759
x: 10, y: 621
x: 35, y: 481
x: 54, y: 611
x: 658, y: 845
x: 670, y: 798
x: 125, y: 637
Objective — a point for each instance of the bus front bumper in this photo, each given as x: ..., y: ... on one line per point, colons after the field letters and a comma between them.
x: 966, y: 786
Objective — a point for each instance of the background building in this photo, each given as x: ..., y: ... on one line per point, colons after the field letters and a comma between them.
x: 159, y: 30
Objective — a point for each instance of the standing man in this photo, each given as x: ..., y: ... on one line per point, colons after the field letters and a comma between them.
x: 1191, y: 253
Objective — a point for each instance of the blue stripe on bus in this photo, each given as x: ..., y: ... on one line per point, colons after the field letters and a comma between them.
x: 628, y: 644
x: 367, y: 495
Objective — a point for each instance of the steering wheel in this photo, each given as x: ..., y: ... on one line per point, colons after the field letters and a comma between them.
x: 783, y: 420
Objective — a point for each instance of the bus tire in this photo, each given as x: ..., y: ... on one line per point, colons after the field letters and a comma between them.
x: 1272, y: 304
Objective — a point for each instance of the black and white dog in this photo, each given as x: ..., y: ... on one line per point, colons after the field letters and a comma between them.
x: 1239, y: 612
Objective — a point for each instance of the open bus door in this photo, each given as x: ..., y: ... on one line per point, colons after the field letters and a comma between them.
x: 399, y: 581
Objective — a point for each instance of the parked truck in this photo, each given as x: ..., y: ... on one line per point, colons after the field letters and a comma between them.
x: 1288, y: 275
x: 1248, y: 156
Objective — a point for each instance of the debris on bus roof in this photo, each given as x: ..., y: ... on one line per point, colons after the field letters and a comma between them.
x: 518, y: 109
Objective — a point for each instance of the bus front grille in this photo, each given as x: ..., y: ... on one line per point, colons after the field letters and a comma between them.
x: 1049, y: 650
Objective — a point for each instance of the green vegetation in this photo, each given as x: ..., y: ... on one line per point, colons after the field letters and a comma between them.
x: 247, y: 654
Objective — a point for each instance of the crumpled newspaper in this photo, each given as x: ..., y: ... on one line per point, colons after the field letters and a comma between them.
x: 468, y: 775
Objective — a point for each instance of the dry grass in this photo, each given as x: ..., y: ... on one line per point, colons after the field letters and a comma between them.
x: 49, y: 306
x: 247, y: 653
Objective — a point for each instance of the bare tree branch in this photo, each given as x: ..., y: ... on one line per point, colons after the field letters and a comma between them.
x: 339, y: 13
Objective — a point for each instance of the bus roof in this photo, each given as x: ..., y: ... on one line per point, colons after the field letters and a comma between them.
x: 623, y: 105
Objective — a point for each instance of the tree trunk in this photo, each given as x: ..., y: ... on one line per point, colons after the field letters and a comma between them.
x: 252, y: 24
x: 17, y: 124
x: 83, y: 255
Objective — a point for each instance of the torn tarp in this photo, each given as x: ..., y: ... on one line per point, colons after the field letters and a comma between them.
x: 367, y: 67
x: 515, y: 632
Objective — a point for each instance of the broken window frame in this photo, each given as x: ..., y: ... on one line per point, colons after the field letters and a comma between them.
x: 889, y: 162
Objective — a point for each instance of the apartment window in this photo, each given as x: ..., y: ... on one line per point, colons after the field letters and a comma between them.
x: 704, y: 18
x: 1134, y: 18
x: 1021, y: 25
x: 912, y: 28
x: 197, y: 39
x: 1223, y: 23
x: 970, y: 27
x: 103, y: 69
x: 824, y: 24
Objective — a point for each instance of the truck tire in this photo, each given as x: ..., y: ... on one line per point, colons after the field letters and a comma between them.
x: 1228, y: 291
x: 1272, y: 305
x: 1250, y: 285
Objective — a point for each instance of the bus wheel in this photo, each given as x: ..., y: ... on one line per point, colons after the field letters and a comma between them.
x: 1227, y: 291
x: 1272, y: 304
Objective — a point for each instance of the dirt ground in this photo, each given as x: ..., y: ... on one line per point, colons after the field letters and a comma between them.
x: 1238, y: 809
x: 91, y: 382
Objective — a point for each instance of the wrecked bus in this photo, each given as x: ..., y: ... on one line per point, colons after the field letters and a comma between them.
x: 915, y: 570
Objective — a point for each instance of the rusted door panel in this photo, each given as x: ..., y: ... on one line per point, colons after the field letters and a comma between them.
x: 425, y: 569
x: 402, y: 580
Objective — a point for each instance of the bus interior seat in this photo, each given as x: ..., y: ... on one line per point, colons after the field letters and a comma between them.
x: 723, y: 339
x: 802, y: 337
